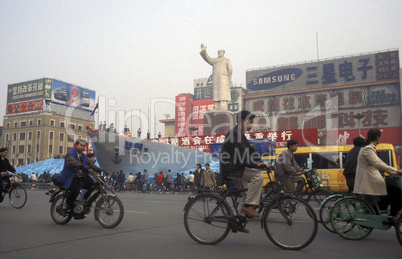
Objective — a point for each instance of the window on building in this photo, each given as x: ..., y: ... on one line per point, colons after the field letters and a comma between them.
x: 13, y: 149
x: 21, y: 149
x: 22, y: 135
x: 38, y: 134
x: 37, y: 148
x: 8, y: 125
x: 20, y: 161
x: 71, y: 126
x: 61, y: 136
x: 50, y: 149
x: 70, y: 138
x: 39, y: 121
x: 51, y: 134
x: 23, y: 124
x: 15, y: 124
x: 79, y: 127
x: 15, y: 136
x: 7, y: 137
x: 29, y: 148
x: 61, y: 149
x: 30, y: 123
x: 61, y: 124
x: 51, y: 122
x: 30, y: 135
x: 28, y: 160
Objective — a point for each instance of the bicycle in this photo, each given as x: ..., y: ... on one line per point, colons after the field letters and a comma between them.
x: 289, y: 222
x: 355, y: 217
x: 311, y: 191
x: 109, y: 210
x: 16, y: 194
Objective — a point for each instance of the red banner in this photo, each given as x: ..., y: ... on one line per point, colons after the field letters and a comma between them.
x: 27, y: 106
x: 182, y: 115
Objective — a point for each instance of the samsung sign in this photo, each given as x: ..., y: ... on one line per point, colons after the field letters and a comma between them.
x: 274, y: 79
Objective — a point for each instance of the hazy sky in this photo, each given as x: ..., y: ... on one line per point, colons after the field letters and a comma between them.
x: 134, y: 51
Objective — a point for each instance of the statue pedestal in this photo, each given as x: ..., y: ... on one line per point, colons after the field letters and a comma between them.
x: 217, y: 122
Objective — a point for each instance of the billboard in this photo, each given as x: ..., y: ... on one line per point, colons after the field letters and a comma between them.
x: 356, y: 69
x: 26, y: 106
x: 27, y: 91
x: 198, y: 109
x: 72, y: 96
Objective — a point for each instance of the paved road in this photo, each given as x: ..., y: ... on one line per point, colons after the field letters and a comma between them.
x: 153, y: 228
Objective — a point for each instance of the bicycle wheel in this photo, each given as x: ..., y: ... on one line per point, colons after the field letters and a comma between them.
x: 315, y: 199
x: 205, y: 222
x: 342, y: 218
x: 293, y: 229
x: 17, y: 196
x: 109, y: 213
x: 325, y: 209
x: 398, y: 230
x: 55, y: 211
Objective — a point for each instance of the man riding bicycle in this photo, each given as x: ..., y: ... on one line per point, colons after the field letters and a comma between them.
x: 74, y: 174
x: 238, y: 161
x: 4, y: 167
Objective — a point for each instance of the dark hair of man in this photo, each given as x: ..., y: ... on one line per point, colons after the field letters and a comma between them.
x: 80, y: 140
x: 358, y: 142
x: 291, y: 142
x: 207, y: 164
x: 3, y: 149
x: 244, y: 115
x: 90, y: 155
x: 372, y: 135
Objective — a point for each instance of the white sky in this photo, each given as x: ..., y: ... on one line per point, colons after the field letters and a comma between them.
x: 133, y: 51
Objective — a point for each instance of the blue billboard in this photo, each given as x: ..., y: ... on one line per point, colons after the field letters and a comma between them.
x: 72, y: 96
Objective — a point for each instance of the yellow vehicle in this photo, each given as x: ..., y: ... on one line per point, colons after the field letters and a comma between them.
x: 329, y: 162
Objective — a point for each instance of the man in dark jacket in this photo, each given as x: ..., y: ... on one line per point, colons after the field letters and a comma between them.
x: 74, y: 174
x: 351, y: 163
x: 4, y: 167
x: 238, y: 161
x: 197, y: 176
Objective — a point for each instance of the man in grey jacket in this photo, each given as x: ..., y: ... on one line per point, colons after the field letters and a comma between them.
x: 287, y: 170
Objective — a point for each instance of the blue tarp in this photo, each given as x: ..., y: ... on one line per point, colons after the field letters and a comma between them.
x: 263, y: 146
x: 53, y: 165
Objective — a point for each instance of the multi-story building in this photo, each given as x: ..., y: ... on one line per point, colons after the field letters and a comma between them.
x: 44, y: 122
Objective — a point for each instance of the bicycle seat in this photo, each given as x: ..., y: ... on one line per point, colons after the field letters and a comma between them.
x: 232, y: 186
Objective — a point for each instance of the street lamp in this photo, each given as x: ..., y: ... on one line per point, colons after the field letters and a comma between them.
x: 359, y: 116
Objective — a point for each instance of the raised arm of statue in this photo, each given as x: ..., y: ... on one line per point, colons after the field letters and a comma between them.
x: 205, y: 55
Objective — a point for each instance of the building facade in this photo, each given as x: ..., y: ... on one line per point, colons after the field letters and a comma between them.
x: 44, y: 119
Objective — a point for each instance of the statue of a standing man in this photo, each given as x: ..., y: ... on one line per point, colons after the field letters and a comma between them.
x: 221, y: 75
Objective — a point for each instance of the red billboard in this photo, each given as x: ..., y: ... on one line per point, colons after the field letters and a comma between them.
x: 198, y: 109
x: 182, y: 115
x: 27, y: 106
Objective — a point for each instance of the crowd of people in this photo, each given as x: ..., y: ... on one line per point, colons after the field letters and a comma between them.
x: 200, y: 179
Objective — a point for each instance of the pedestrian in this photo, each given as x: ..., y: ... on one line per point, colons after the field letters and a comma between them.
x: 351, y: 163
x: 197, y: 176
x: 208, y: 178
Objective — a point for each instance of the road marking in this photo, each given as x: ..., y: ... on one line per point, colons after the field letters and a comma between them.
x: 138, y: 212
